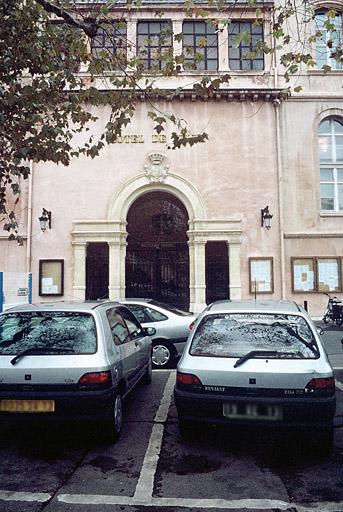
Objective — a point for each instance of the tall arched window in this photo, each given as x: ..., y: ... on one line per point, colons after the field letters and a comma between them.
x: 330, y: 138
x: 330, y: 40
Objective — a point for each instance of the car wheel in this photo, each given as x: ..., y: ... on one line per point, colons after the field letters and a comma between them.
x: 147, y: 377
x: 162, y: 354
x: 112, y: 427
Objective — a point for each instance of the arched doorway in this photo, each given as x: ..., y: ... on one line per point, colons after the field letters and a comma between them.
x: 157, y: 256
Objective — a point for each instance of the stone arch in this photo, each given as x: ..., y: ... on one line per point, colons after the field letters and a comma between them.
x: 139, y: 185
x: 326, y: 114
x: 113, y: 231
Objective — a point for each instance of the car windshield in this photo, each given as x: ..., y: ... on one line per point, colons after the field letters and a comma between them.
x: 235, y: 335
x: 172, y: 309
x: 69, y: 332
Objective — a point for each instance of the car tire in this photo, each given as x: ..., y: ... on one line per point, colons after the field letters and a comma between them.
x: 162, y: 354
x: 147, y: 377
x: 113, y: 426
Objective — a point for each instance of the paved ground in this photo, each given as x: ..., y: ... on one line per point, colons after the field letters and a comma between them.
x: 152, y: 469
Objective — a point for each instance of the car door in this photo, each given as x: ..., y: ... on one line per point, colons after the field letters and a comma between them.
x: 125, y: 343
x: 142, y: 342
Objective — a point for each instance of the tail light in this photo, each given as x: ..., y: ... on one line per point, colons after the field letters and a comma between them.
x: 188, y: 381
x: 102, y: 379
x: 321, y: 386
x: 191, y: 326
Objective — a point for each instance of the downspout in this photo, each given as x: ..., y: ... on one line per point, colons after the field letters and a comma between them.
x: 277, y: 104
x: 29, y: 221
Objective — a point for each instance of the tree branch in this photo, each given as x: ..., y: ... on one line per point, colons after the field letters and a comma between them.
x: 89, y: 27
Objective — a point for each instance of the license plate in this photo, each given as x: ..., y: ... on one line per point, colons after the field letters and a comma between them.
x: 252, y: 411
x: 27, y: 406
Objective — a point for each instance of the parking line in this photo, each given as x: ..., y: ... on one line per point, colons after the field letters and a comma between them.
x: 42, y: 497
x: 339, y: 385
x: 243, y: 504
x: 145, y: 484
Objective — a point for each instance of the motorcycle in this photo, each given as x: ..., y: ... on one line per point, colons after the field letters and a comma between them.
x: 334, y: 311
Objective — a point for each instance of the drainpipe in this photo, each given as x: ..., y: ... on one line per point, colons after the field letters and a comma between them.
x: 29, y: 221
x: 277, y: 104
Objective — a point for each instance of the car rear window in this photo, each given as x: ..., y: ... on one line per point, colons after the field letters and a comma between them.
x: 234, y: 335
x: 75, y: 332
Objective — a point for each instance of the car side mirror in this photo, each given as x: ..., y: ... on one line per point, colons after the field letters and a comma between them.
x: 149, y: 331
x: 320, y: 330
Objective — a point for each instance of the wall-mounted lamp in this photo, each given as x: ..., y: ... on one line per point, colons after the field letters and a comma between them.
x: 266, y: 218
x: 45, y: 220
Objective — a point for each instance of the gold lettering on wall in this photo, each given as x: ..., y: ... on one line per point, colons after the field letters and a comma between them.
x: 159, y: 138
x: 139, y: 139
x: 130, y: 139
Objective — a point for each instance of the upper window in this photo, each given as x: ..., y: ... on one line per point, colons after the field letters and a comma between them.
x: 154, y: 43
x: 110, y: 43
x: 330, y: 40
x: 200, y: 46
x: 243, y: 52
x: 330, y: 140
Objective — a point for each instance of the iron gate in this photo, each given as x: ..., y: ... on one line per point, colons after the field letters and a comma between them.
x: 157, y: 260
x: 159, y: 271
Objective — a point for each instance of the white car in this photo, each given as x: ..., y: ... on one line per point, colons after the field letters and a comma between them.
x: 172, y: 325
x: 256, y: 363
x: 74, y: 362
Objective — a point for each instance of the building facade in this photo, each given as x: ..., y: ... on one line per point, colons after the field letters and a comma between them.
x: 191, y: 225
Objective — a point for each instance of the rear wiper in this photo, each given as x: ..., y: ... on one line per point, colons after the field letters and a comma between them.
x: 40, y: 351
x: 256, y: 353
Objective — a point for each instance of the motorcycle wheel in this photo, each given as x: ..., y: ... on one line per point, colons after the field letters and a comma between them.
x: 326, y: 318
x: 339, y: 320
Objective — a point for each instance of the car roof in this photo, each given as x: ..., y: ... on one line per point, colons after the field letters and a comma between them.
x: 252, y: 305
x: 136, y: 299
x: 62, y: 306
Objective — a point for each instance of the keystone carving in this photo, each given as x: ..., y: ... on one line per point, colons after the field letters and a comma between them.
x: 156, y: 172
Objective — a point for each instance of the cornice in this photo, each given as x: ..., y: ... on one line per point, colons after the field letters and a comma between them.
x: 312, y: 235
x: 268, y: 95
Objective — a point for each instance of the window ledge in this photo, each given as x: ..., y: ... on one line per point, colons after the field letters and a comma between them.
x: 331, y: 214
x: 320, y: 72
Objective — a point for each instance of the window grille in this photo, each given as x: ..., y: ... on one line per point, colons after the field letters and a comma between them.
x: 330, y: 140
x: 243, y: 38
x: 110, y: 43
x: 330, y: 41
x: 200, y: 46
x: 154, y: 44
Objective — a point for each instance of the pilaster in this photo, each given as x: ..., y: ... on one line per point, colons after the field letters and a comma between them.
x: 79, y: 286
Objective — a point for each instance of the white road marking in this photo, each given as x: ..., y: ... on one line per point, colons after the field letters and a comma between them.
x: 145, y: 484
x: 339, y: 385
x: 251, y: 504
x: 24, y: 496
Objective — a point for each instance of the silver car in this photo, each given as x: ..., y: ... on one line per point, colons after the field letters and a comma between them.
x: 73, y: 362
x: 172, y: 328
x: 256, y: 362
